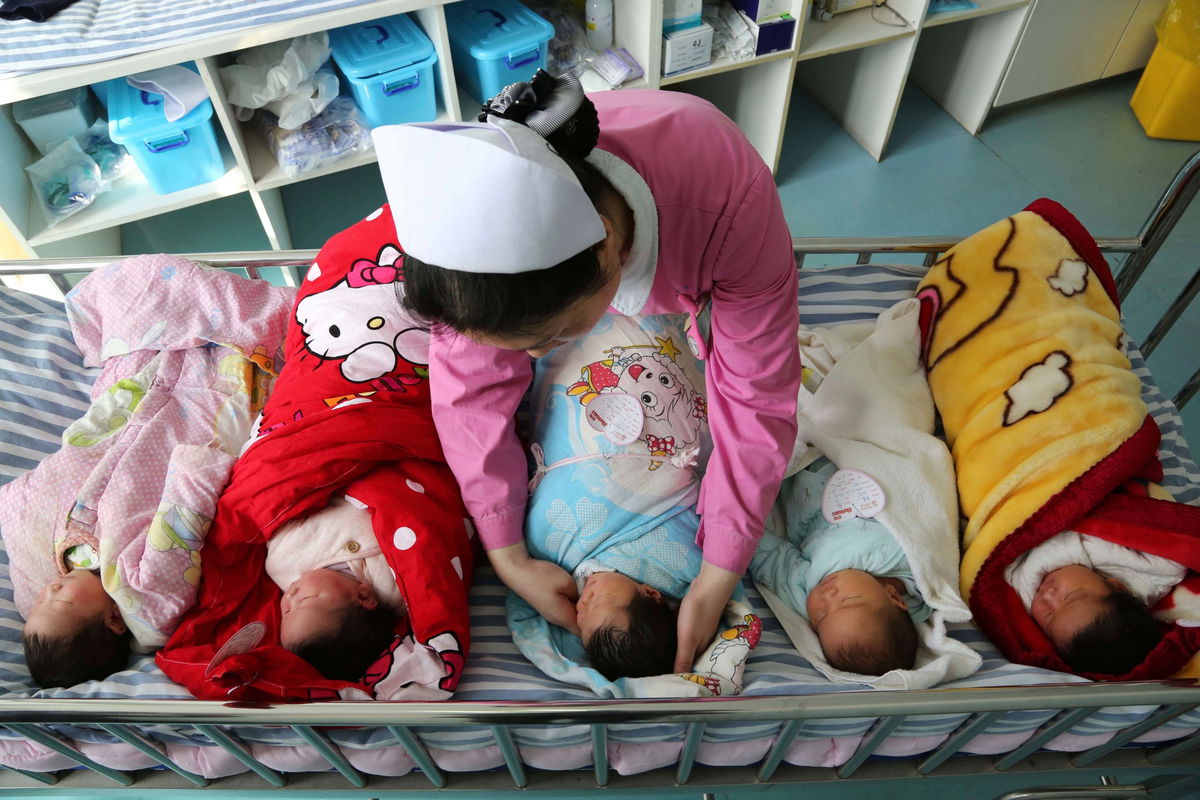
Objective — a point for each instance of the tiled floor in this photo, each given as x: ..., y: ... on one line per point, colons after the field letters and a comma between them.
x: 1083, y: 148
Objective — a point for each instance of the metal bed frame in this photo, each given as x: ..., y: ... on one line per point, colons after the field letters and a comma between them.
x: 1162, y: 771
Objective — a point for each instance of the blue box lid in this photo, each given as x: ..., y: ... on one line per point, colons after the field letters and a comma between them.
x: 493, y: 29
x: 379, y: 46
x: 136, y: 115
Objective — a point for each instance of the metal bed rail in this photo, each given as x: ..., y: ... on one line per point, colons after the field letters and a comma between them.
x: 1074, y: 703
x: 220, y: 722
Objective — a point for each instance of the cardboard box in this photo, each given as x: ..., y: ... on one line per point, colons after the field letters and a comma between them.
x: 681, y: 14
x: 763, y: 10
x: 773, y: 36
x: 687, y: 49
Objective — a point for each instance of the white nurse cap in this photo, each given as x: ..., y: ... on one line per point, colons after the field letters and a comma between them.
x: 489, y: 197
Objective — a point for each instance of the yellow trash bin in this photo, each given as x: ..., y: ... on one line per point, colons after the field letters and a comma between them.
x: 1167, y: 98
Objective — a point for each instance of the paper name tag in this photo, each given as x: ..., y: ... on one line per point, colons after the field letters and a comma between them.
x: 851, y: 493
x: 617, y: 415
x: 243, y: 641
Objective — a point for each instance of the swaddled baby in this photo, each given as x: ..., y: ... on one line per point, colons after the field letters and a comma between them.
x: 1092, y: 598
x: 620, y: 431
x: 340, y: 599
x: 849, y: 579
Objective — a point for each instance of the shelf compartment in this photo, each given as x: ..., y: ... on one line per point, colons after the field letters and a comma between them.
x: 130, y: 199
x: 269, y: 175
x: 985, y: 7
x: 724, y: 65
x: 850, y: 31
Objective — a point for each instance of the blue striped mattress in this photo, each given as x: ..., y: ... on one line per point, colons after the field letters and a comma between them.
x: 91, y: 30
x: 45, y: 384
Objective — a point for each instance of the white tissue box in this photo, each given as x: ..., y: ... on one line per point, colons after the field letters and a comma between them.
x: 687, y: 49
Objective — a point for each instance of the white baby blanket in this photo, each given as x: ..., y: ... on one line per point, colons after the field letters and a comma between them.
x: 872, y: 411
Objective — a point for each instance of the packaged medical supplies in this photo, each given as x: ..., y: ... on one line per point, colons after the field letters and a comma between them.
x: 773, y: 35
x: 112, y: 159
x: 569, y: 49
x: 171, y: 155
x: 494, y: 43
x: 389, y: 65
x: 733, y: 37
x: 761, y: 11
x: 687, y: 49
x: 65, y: 181
x: 680, y: 14
x: 49, y: 119
x: 616, y: 66
x: 332, y: 135
x: 283, y: 77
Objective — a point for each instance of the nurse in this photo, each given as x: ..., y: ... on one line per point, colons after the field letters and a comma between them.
x: 522, y: 230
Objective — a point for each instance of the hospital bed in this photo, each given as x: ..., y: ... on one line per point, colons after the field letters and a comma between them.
x: 791, y: 733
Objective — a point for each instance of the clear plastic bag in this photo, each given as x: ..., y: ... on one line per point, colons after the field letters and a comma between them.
x: 285, y: 78
x: 334, y: 134
x: 568, y: 50
x: 113, y: 159
x: 65, y: 181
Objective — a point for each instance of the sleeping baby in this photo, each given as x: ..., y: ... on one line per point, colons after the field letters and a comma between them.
x: 340, y: 600
x: 1092, y: 598
x: 849, y: 579
x: 621, y: 434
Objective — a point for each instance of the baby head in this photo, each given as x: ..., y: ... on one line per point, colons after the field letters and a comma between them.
x: 1095, y: 624
x: 335, y: 623
x: 862, y: 623
x: 74, y: 632
x: 628, y: 629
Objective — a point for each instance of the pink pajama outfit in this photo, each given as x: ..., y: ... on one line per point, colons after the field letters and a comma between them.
x: 709, y: 232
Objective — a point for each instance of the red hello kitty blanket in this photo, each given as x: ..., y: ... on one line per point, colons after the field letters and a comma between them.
x: 350, y: 414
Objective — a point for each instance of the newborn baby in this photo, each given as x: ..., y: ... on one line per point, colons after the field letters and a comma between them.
x: 849, y: 579
x: 74, y: 632
x: 628, y: 628
x: 1091, y: 597
x: 340, y: 600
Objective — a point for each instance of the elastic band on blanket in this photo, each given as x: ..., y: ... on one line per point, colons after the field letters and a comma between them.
x: 684, y: 459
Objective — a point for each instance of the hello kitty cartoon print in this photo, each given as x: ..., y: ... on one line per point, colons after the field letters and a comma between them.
x: 359, y: 321
x: 673, y: 411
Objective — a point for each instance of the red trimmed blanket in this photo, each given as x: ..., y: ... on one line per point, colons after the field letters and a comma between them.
x: 1025, y: 355
x: 351, y: 415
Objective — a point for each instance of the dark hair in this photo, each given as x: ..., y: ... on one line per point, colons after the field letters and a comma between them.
x: 356, y: 639
x: 646, y: 648
x: 1117, y: 640
x: 91, y: 653
x: 896, y: 649
x: 507, y: 304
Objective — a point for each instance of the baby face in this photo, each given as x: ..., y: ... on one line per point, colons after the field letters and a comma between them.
x: 604, y: 602
x: 311, y: 605
x: 1068, y: 600
x: 850, y: 606
x: 70, y: 601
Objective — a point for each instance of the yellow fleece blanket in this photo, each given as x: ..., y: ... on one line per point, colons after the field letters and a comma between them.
x: 1027, y: 366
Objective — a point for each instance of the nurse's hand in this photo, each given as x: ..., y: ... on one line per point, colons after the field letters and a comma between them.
x: 547, y: 587
x: 700, y: 613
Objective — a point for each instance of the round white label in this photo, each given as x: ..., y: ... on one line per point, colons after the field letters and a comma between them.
x: 243, y: 641
x: 851, y: 493
x: 617, y: 415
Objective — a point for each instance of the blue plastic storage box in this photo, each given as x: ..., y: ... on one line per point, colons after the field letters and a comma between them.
x: 389, y: 65
x: 494, y: 43
x: 172, y: 155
